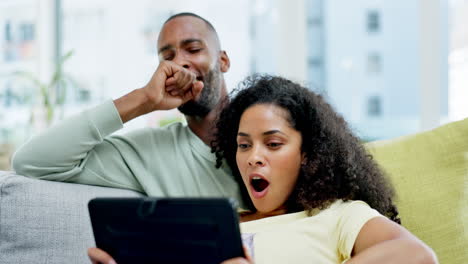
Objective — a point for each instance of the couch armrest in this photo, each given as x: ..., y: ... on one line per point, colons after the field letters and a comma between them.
x: 43, y: 221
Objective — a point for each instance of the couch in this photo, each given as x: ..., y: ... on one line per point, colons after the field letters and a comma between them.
x: 48, y: 222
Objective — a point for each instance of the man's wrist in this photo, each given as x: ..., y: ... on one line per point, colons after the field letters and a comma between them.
x: 133, y: 104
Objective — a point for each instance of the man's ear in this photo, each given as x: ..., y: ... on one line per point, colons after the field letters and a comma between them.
x: 225, y: 63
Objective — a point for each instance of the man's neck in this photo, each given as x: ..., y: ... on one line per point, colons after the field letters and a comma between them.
x: 204, y: 127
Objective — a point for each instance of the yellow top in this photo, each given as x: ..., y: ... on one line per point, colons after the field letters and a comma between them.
x: 327, y: 236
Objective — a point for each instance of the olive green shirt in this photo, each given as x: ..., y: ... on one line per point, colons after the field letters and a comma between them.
x: 170, y: 161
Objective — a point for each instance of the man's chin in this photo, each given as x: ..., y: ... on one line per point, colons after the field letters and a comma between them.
x: 192, y: 108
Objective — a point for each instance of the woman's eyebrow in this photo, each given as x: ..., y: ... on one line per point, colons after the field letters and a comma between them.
x: 269, y: 132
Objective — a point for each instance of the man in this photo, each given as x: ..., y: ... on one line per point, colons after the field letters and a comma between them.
x: 172, y: 161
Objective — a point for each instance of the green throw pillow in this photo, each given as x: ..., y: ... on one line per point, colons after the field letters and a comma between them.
x: 430, y: 173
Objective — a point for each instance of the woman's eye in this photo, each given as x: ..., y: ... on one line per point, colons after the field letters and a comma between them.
x: 242, y: 146
x: 274, y: 144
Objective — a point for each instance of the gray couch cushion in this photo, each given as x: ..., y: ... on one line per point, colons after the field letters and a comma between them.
x: 46, y: 222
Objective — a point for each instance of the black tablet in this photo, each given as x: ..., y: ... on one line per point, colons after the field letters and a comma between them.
x: 166, y: 230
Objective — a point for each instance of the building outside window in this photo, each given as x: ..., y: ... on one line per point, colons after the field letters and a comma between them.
x: 374, y: 63
x: 373, y: 21
x: 374, y: 106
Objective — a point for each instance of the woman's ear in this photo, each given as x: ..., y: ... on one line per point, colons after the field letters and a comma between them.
x: 304, y: 158
x: 225, y: 63
x: 311, y: 166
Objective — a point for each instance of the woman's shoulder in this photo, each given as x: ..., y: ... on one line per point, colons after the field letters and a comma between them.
x: 337, y: 212
x: 340, y: 205
x: 344, y: 209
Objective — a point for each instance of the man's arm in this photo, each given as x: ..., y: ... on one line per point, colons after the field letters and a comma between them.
x: 65, y: 151
x: 170, y: 87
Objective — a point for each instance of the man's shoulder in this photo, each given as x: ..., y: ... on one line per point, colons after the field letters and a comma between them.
x: 175, y: 131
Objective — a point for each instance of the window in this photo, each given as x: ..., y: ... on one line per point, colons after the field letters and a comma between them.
x: 253, y: 65
x: 26, y: 32
x: 374, y: 107
x: 8, y: 37
x: 314, y: 62
x: 374, y: 63
x: 373, y: 21
x: 314, y: 21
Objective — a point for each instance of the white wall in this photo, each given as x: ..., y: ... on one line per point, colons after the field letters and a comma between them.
x: 115, y: 53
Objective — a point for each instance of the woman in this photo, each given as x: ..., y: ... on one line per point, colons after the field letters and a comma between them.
x: 315, y: 195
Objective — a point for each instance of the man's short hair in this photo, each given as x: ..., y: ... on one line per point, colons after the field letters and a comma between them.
x: 192, y: 15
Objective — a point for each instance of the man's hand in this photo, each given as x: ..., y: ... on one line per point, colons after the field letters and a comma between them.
x: 170, y: 86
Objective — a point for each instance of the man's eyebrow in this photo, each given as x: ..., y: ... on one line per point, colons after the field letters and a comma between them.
x: 270, y: 132
x: 188, y: 41
x: 183, y: 43
x: 164, y: 48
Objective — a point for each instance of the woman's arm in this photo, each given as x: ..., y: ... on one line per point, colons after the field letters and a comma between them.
x: 383, y: 241
x: 98, y: 256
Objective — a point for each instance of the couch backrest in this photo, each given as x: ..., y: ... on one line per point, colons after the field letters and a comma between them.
x: 46, y: 222
x: 430, y: 173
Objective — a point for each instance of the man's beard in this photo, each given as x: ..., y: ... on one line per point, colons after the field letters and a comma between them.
x: 209, y: 97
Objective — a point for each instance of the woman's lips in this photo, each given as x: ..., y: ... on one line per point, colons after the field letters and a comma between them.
x: 264, y: 190
x: 258, y: 195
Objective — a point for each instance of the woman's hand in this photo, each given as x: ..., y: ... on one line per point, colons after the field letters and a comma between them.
x: 247, y: 260
x: 98, y: 256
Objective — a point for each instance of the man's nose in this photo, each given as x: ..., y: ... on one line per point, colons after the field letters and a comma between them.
x: 180, y: 60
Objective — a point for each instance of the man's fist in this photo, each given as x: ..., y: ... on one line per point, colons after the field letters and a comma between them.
x: 171, y: 86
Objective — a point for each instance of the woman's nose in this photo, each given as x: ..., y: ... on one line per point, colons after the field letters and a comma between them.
x: 256, y: 158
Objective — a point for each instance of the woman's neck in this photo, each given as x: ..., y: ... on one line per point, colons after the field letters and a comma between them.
x: 249, y: 216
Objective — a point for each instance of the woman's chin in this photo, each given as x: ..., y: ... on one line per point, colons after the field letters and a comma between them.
x: 267, y: 209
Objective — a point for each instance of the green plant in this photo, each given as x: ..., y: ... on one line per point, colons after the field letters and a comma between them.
x: 52, y: 93
x: 169, y: 120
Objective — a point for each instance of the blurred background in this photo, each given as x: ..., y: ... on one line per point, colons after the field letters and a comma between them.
x: 390, y: 67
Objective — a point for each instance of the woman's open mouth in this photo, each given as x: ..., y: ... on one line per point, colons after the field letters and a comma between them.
x: 259, y: 186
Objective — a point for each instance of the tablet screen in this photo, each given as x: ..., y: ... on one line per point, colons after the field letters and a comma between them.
x: 166, y: 230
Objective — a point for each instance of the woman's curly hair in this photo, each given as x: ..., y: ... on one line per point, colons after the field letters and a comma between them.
x: 336, y: 164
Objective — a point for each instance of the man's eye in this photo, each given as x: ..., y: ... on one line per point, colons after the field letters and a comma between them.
x: 194, y: 50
